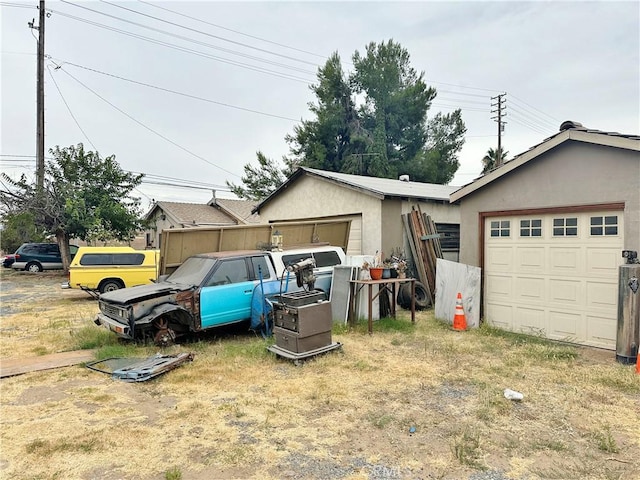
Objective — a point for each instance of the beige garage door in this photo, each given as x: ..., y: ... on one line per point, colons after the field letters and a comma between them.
x: 554, y: 275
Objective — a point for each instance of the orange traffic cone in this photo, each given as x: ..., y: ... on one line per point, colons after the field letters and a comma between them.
x: 459, y: 320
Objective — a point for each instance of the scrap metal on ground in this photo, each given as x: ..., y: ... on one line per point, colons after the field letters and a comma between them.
x: 139, y: 370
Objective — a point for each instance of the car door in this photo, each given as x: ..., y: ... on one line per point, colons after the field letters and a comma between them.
x: 226, y: 297
x: 52, y: 257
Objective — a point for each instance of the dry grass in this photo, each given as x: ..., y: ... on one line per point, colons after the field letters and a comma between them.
x: 238, y: 412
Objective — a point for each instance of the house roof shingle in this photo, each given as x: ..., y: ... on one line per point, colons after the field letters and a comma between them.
x: 194, y: 213
x: 240, y: 209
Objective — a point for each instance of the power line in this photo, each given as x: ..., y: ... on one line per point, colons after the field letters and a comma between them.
x: 531, y: 106
x: 204, y: 33
x: 191, y: 40
x: 17, y: 5
x: 195, y: 97
x: 533, y: 118
x: 188, y: 50
x: 234, y: 31
x: 149, y: 128
x: 149, y: 178
x: 69, y: 109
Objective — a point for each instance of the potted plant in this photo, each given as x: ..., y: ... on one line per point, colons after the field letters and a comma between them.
x: 375, y: 269
x: 386, y: 268
x: 399, y: 263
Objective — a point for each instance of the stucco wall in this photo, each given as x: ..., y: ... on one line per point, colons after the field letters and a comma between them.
x: 309, y: 197
x: 574, y: 173
x: 382, y: 227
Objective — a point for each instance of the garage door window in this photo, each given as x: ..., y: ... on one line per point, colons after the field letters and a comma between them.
x: 500, y: 228
x: 607, y: 225
x: 531, y: 228
x: 565, y: 227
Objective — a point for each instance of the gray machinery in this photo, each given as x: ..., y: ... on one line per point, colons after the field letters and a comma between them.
x: 302, y: 319
x: 628, y: 334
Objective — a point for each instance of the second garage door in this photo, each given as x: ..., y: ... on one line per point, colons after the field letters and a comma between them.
x: 554, y: 275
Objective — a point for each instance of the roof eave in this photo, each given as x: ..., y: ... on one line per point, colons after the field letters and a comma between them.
x: 552, y: 142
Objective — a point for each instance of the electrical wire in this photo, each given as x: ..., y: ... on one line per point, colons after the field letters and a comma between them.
x: 191, y: 40
x: 185, y: 49
x: 69, y: 108
x: 233, y: 31
x: 149, y: 128
x: 203, y: 33
x: 176, y: 92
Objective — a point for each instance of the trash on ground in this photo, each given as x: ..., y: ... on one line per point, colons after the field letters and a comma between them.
x: 137, y: 369
x: 512, y: 395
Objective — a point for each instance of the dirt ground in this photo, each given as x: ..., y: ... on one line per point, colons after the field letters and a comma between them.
x: 408, y: 402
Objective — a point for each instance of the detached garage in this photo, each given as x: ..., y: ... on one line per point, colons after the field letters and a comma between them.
x: 548, y: 229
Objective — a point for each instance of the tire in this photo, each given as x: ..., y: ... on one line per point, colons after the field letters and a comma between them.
x: 110, y: 285
x: 421, y: 298
x: 33, y: 267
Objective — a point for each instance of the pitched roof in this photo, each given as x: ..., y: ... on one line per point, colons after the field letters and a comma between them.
x: 193, y: 214
x: 378, y: 187
x: 569, y: 131
x: 241, y: 210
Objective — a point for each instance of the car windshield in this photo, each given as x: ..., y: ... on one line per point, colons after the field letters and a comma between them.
x: 192, y: 272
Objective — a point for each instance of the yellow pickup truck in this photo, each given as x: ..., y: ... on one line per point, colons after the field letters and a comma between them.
x: 104, y: 269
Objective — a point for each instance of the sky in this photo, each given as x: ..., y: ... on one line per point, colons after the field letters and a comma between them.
x: 188, y: 92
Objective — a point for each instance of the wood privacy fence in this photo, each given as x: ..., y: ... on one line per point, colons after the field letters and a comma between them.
x: 424, y: 242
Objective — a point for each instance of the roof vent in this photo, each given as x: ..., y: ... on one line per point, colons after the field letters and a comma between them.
x: 403, y: 178
x: 569, y: 124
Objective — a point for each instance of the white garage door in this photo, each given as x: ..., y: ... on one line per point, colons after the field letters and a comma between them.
x: 554, y: 275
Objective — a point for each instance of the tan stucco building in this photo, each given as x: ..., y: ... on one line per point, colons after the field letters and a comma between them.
x: 548, y: 229
x: 374, y: 205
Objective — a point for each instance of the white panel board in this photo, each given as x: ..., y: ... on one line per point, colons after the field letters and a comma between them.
x: 451, y: 278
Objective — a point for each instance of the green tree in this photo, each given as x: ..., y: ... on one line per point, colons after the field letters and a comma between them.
x: 328, y: 140
x: 19, y: 228
x: 396, y: 101
x: 372, y: 122
x: 489, y: 161
x: 259, y: 181
x: 82, y: 194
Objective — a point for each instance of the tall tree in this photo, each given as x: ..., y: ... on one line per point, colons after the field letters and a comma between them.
x: 327, y: 141
x: 490, y: 160
x: 374, y: 121
x: 82, y: 194
x: 396, y: 103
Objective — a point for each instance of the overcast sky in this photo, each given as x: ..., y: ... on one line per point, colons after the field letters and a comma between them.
x: 192, y: 90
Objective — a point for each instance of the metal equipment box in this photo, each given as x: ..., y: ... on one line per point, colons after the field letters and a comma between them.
x: 300, y: 298
x: 306, y: 320
x: 294, y: 342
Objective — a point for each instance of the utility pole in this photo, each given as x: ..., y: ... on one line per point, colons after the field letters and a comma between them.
x: 40, y: 98
x: 499, y: 105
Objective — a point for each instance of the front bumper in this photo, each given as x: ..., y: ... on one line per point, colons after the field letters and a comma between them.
x: 120, y: 329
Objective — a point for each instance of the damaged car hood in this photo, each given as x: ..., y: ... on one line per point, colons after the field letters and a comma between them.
x: 131, y: 294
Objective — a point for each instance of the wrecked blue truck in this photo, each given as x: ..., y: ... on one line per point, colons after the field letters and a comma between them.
x: 206, y: 291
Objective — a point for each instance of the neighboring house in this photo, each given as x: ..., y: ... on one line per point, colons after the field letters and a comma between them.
x: 548, y: 229
x: 374, y: 205
x: 217, y: 212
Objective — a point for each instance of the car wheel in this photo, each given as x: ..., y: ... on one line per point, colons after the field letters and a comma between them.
x: 33, y: 267
x: 110, y: 286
